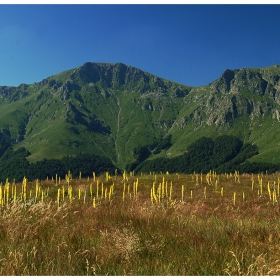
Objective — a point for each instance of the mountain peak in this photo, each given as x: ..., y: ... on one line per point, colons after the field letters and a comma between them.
x: 112, y: 109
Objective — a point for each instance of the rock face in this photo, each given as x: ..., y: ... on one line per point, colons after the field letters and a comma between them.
x: 118, y: 76
x: 240, y: 93
x: 113, y: 109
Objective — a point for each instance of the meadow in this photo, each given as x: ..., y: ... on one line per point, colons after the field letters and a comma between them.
x: 149, y: 224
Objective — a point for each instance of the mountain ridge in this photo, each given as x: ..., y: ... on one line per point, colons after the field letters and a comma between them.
x: 112, y: 109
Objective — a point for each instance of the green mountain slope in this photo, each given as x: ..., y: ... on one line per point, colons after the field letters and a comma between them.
x: 113, y: 110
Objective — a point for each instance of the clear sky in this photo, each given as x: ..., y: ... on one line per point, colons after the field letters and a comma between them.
x: 188, y: 44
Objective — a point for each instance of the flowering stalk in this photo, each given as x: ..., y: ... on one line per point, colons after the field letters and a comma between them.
x: 63, y: 192
x: 90, y: 190
x: 58, y: 196
x: 268, y: 190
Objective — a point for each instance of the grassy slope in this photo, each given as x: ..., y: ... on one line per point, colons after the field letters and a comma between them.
x: 46, y: 121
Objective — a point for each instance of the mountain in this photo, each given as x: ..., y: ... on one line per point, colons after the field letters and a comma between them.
x: 128, y: 115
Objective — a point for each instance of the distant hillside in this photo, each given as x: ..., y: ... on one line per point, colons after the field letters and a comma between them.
x: 130, y: 116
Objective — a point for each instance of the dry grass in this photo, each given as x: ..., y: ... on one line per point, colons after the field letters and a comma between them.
x: 133, y: 235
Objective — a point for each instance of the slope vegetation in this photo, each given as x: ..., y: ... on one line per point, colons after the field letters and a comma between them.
x: 130, y: 116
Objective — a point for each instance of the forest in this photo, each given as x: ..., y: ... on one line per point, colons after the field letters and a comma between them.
x: 14, y: 165
x: 225, y: 154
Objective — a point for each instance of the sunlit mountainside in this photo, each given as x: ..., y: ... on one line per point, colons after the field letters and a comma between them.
x: 130, y: 116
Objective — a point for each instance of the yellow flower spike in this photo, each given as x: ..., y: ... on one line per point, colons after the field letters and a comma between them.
x: 97, y: 188
x: 191, y: 194
x: 205, y: 192
x: 182, y: 193
x: 136, y: 187
x: 166, y: 189
x: 12, y: 189
x: 102, y: 190
x: 154, y: 194
x: 93, y: 203
x: 133, y: 188
x: 90, y: 190
x: 7, y: 189
x: 162, y: 189
x: 79, y: 194
x: 58, y: 196
x: 63, y: 192
x: 1, y: 195
x: 70, y: 194
x: 268, y: 190
x: 110, y: 192
x: 234, y: 198
x: 93, y: 176
x: 85, y: 196
x: 15, y: 193
x: 159, y: 192
x: 170, y: 191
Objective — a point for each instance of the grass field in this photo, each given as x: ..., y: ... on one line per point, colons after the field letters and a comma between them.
x: 151, y: 224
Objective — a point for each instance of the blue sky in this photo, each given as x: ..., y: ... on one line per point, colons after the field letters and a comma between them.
x: 188, y: 44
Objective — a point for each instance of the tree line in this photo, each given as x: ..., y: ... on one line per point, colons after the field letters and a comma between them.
x: 225, y: 154
x: 14, y: 165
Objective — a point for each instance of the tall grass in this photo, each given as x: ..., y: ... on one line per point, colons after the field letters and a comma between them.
x: 157, y: 224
